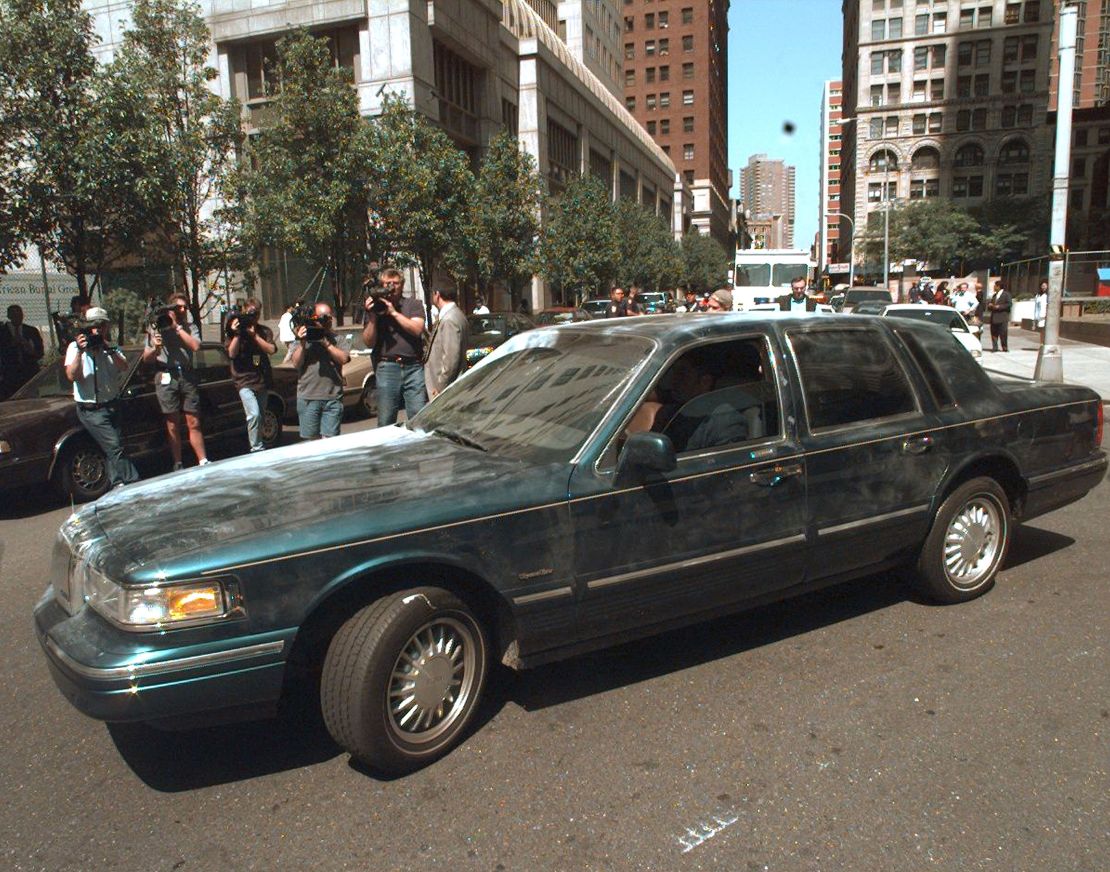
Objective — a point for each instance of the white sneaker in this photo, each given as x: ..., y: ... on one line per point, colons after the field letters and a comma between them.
x: 203, y: 462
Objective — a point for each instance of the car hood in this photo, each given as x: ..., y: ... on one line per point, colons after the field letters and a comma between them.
x: 310, y: 495
x: 19, y: 413
x: 34, y: 425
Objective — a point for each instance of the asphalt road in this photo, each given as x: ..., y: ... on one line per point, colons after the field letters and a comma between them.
x: 857, y: 729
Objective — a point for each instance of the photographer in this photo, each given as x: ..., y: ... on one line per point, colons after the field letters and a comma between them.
x: 319, y: 363
x: 249, y: 346
x: 170, y: 343
x: 394, y: 327
x: 95, y: 368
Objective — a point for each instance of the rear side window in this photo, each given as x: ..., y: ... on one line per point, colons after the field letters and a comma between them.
x: 938, y: 387
x: 849, y: 376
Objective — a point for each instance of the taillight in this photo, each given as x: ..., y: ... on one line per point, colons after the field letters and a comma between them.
x: 1098, y: 426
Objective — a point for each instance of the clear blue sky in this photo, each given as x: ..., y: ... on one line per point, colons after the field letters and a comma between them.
x: 780, y: 52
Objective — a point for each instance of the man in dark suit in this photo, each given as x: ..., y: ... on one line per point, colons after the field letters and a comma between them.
x: 21, y: 347
x: 998, y: 306
x: 796, y: 300
x: 446, y: 354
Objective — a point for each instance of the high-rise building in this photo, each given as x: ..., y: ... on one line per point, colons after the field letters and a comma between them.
x: 592, y: 31
x: 944, y: 99
x: 675, y: 58
x: 767, y: 201
x: 1089, y: 171
x: 832, y: 135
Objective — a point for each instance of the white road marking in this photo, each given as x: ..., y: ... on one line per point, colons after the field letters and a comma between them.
x: 703, y: 832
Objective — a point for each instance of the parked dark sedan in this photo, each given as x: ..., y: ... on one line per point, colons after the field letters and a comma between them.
x: 42, y: 441
x: 583, y: 485
x: 490, y: 330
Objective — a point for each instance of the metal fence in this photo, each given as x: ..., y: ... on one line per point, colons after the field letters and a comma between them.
x: 1081, y: 274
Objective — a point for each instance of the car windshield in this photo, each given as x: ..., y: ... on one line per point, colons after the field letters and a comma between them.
x: 753, y: 275
x: 875, y: 294
x: 545, y: 318
x: 785, y: 273
x: 654, y: 297
x: 539, y: 396
x: 945, y: 318
x: 51, y: 381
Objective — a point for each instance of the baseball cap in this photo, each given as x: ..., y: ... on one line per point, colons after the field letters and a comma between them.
x: 96, y: 315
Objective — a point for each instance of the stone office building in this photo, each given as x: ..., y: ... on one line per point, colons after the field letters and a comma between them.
x: 947, y: 98
x: 475, y: 67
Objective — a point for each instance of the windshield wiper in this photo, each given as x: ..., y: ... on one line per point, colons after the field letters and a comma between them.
x: 459, y: 438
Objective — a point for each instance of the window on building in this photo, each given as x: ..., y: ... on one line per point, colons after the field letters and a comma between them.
x: 925, y: 158
x: 649, y: 21
x: 920, y: 58
x: 649, y: 75
x: 1013, y: 13
x: 877, y: 60
x: 1075, y: 200
x: 664, y: 74
x: 919, y: 124
x: 936, y: 89
x: 940, y: 22
x: 629, y: 24
x: 630, y: 51
x: 665, y: 100
x: 664, y: 20
x: 878, y: 29
x: 630, y: 103
x: 876, y: 128
x: 688, y: 176
x: 665, y: 126
x: 940, y: 55
x: 970, y: 155
x: 1009, y: 81
x: 562, y: 153
x: 1029, y: 48
x: 983, y: 53
x: 1081, y: 137
x: 1079, y: 168
x: 688, y: 71
x: 892, y: 125
x: 963, y: 86
x: 919, y: 89
x: 688, y: 15
x: 1010, y: 49
x: 1028, y: 81
x: 935, y: 119
x: 1104, y: 136
x: 1012, y: 184
x: 894, y: 61
x: 877, y: 92
x: 1009, y: 116
x: 967, y: 19
x: 629, y: 78
x: 921, y: 188
x: 649, y: 48
x: 687, y: 98
x: 688, y: 124
x: 894, y: 28
x: 1032, y: 11
x: 664, y: 47
x: 982, y: 84
x: 892, y: 93
x: 1016, y: 151
x: 985, y: 17
x: 921, y: 24
x: 651, y: 128
x: 967, y: 186
x: 687, y: 44
x: 649, y: 102
x: 688, y: 151
x: 1025, y: 116
x: 882, y: 161
x: 979, y: 119
x: 963, y: 120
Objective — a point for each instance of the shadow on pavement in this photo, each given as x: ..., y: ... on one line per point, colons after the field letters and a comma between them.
x: 1032, y: 543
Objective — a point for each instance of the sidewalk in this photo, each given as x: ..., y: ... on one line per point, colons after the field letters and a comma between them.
x: 1084, y: 364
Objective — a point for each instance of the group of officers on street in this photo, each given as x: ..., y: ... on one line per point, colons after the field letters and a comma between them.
x: 412, y: 365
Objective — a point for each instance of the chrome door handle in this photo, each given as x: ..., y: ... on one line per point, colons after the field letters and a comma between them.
x: 771, y: 477
x: 917, y: 445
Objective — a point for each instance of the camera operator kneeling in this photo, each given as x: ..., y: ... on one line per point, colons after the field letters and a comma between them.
x: 319, y: 363
x: 249, y: 346
x: 94, y: 367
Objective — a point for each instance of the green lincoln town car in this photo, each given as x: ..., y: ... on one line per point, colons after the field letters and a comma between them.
x: 583, y: 485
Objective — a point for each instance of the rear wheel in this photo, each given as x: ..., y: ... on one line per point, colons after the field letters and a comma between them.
x: 402, y: 678
x: 269, y: 428
x: 967, y: 543
x: 82, y: 472
x: 368, y: 402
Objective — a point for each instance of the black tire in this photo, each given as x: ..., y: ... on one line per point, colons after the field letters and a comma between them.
x: 368, y: 402
x: 403, y: 677
x: 967, y: 543
x: 81, y: 472
x: 269, y: 428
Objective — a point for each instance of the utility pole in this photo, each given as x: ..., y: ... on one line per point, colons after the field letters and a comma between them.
x: 1050, y: 363
x: 851, y: 244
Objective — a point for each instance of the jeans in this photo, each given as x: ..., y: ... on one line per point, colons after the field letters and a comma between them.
x: 397, y: 381
x: 254, y: 401
x: 103, y: 425
x: 319, y: 417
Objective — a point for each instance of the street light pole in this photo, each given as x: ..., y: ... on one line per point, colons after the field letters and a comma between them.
x: 1050, y: 364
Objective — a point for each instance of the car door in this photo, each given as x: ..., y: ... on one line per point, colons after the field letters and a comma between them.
x: 871, y: 446
x: 221, y: 409
x: 726, y: 525
x: 141, y: 419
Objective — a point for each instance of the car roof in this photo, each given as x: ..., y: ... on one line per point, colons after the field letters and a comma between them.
x: 925, y: 307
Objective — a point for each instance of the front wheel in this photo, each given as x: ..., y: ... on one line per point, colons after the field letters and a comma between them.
x: 269, y: 428
x: 967, y: 543
x: 402, y: 678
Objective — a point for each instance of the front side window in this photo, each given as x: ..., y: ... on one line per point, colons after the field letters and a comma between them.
x: 849, y: 376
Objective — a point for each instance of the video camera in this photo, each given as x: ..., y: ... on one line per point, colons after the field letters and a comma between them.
x: 245, y: 320
x: 159, y: 317
x: 93, y: 340
x: 377, y: 294
x: 304, y: 315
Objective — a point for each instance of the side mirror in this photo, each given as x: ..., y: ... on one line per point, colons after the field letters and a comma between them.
x: 643, y: 455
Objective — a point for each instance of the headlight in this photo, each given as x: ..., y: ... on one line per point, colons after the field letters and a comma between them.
x: 158, y: 606
x: 5, y: 447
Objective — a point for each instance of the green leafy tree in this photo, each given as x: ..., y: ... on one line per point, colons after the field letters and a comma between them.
x: 309, y: 188
x: 580, y: 247
x: 503, y: 217
x: 705, y: 263
x: 650, y: 258
x: 421, y: 187
x: 69, y: 181
x: 189, y: 140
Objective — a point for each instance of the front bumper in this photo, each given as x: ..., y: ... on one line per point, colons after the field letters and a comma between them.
x: 112, y: 675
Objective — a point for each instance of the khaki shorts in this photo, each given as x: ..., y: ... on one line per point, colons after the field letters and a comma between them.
x: 180, y: 394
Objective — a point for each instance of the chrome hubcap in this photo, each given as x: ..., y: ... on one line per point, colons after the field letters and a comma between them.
x: 432, y: 680
x: 88, y: 469
x: 973, y: 542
